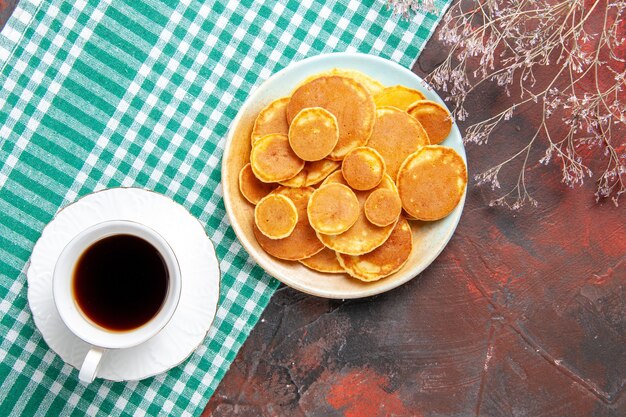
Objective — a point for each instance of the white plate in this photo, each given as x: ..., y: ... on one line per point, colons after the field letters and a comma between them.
x: 429, y: 238
x: 200, y: 281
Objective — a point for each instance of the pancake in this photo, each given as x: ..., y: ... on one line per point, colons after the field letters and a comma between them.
x: 398, y: 96
x: 275, y: 216
x: 251, y: 188
x: 273, y: 160
x: 313, y: 133
x: 435, y: 119
x: 363, y: 236
x: 312, y: 173
x: 333, y: 209
x: 303, y: 242
x: 383, y: 207
x: 408, y: 216
x: 396, y: 135
x: 383, y: 261
x: 363, y: 168
x: 272, y: 119
x: 372, y: 85
x: 347, y: 100
x: 323, y: 261
x: 431, y: 182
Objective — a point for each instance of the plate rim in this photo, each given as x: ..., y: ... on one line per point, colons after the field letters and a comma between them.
x: 226, y: 180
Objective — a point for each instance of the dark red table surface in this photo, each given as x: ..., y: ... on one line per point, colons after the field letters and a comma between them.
x: 523, y: 314
x: 6, y: 8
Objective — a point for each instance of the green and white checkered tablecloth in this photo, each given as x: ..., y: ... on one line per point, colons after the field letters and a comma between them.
x: 106, y: 93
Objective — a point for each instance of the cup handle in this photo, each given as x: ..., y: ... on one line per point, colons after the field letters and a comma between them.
x: 91, y: 364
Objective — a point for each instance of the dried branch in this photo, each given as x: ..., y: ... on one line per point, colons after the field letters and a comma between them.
x: 562, y: 58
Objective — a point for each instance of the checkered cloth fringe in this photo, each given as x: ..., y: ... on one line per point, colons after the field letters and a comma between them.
x: 106, y: 93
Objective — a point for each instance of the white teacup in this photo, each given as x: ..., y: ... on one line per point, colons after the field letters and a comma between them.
x: 74, y: 318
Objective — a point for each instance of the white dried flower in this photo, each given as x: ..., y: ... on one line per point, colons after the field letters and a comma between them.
x: 404, y: 8
x: 582, y: 87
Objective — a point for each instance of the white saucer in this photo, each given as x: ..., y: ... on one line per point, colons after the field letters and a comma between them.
x: 200, y: 281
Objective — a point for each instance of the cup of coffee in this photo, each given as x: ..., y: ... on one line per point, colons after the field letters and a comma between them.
x: 115, y: 285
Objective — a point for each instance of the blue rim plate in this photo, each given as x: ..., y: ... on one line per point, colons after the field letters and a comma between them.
x: 429, y: 238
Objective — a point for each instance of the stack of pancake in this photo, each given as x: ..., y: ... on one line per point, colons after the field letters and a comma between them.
x: 338, y: 169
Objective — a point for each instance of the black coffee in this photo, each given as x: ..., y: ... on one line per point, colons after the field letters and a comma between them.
x: 120, y: 282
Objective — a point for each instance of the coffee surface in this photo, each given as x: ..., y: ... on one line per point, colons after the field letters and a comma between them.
x: 120, y: 282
